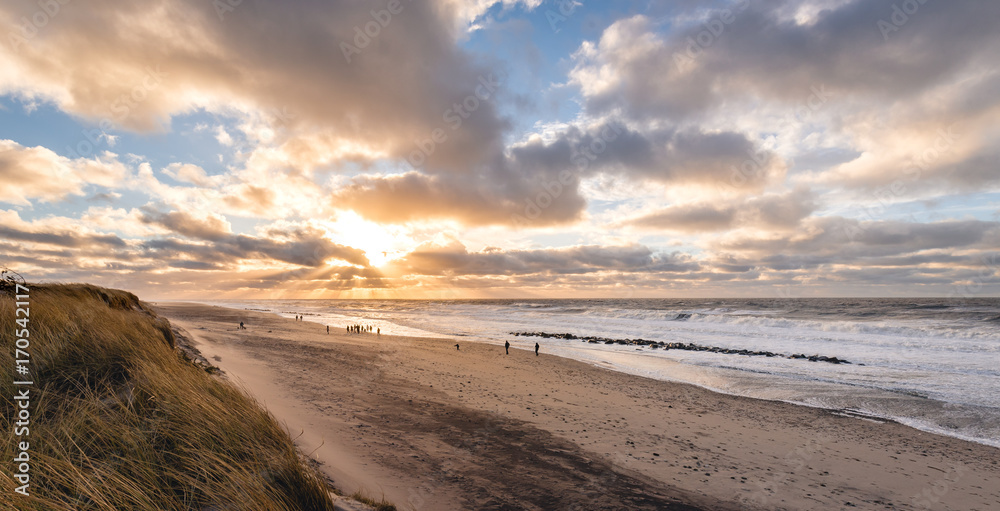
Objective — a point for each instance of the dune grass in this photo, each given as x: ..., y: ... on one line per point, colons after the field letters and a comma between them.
x: 119, y: 420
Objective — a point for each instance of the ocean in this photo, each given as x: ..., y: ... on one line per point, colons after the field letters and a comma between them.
x: 933, y: 364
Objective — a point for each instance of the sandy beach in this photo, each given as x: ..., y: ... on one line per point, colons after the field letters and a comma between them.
x: 431, y: 427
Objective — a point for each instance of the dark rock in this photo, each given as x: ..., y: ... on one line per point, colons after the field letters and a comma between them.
x: 680, y: 346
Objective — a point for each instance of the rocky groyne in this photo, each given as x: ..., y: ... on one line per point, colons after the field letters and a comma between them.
x: 681, y: 346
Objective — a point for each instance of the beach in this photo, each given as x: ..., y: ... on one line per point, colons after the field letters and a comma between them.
x: 429, y: 426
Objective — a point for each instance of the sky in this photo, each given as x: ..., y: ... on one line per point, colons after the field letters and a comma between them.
x: 441, y: 149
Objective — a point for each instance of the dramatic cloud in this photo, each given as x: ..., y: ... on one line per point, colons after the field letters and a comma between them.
x: 38, y: 173
x: 911, y: 96
x: 302, y: 247
x: 310, y: 67
x: 455, y: 260
x: 767, y: 211
x: 754, y: 48
x: 844, y: 241
x: 212, y: 228
x: 426, y: 148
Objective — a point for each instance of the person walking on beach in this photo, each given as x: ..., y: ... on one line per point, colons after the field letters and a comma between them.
x: 506, y: 347
x: 536, y: 349
x: 379, y: 333
x: 457, y: 348
x: 327, y: 329
x: 242, y: 327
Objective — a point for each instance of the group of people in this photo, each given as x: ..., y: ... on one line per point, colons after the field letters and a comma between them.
x: 506, y: 348
x: 361, y: 329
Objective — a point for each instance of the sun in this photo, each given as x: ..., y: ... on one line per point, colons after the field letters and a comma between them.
x: 379, y: 243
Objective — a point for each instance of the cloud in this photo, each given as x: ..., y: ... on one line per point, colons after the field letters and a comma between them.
x: 14, y: 229
x: 209, y: 227
x: 757, y: 49
x: 768, y: 211
x: 737, y: 137
x: 38, y: 173
x: 303, y: 247
x: 285, y: 63
x: 817, y: 77
x: 455, y: 260
x: 836, y: 240
x: 689, y: 218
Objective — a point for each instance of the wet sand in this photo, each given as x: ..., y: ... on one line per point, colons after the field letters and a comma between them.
x: 431, y: 427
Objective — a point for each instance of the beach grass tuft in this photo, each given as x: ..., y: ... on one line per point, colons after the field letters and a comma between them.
x: 120, y: 420
x: 376, y: 505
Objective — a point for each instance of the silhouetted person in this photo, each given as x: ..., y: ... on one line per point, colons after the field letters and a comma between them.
x: 379, y: 333
x: 241, y: 326
x: 536, y: 349
x: 506, y: 347
x: 327, y: 329
x: 457, y: 348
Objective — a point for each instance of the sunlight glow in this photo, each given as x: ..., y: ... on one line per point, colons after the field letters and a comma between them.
x: 379, y: 242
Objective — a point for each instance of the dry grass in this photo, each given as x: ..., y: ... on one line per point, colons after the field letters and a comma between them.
x: 120, y: 421
x: 376, y: 505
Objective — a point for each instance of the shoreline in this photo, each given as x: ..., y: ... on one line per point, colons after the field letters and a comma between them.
x: 712, y: 450
x: 707, y: 372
